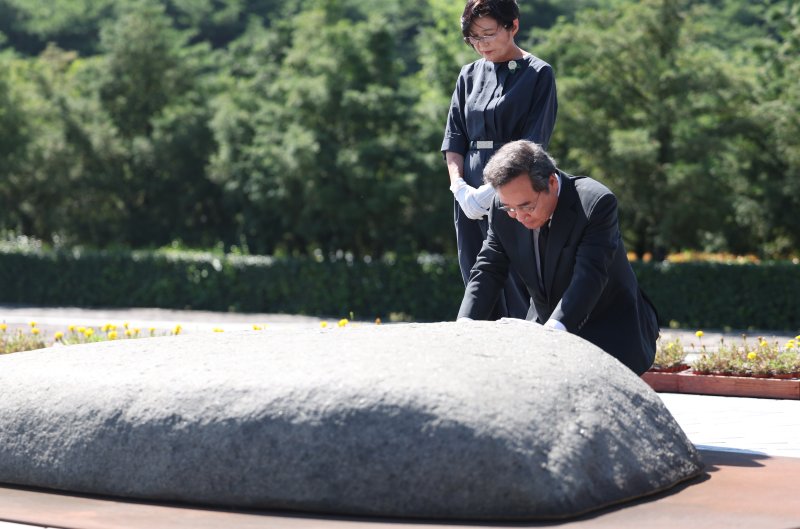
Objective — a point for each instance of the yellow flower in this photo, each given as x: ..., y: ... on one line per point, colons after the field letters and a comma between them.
x: 3, y: 327
x: 699, y: 334
x: 136, y: 331
x: 128, y: 333
x: 112, y: 335
x: 177, y: 329
x: 152, y: 330
x: 323, y: 324
x: 377, y: 321
x: 763, y: 343
x: 790, y: 344
x: 82, y: 330
x: 258, y: 328
x: 752, y: 355
x: 343, y: 322
x: 33, y: 324
x: 35, y: 331
x: 797, y: 337
x: 217, y: 329
x: 71, y: 328
x: 88, y: 332
x: 125, y: 324
x: 58, y: 336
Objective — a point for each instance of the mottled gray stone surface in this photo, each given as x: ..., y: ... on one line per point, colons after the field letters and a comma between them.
x: 476, y: 420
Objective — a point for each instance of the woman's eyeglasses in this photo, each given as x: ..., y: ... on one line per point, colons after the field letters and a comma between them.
x: 477, y: 40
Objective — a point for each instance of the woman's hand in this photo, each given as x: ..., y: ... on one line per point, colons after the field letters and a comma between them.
x: 474, y: 202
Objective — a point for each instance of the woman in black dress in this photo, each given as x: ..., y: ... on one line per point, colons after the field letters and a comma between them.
x: 508, y: 94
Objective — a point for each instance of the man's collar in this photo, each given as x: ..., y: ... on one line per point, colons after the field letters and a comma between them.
x: 558, y: 194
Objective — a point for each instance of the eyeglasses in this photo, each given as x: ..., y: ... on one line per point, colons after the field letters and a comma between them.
x: 486, y: 38
x: 477, y: 40
x: 520, y: 209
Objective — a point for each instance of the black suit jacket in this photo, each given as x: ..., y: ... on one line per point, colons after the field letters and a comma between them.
x: 590, y: 286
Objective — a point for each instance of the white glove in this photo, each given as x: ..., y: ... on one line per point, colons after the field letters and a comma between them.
x: 484, y: 196
x: 466, y: 197
x: 555, y: 325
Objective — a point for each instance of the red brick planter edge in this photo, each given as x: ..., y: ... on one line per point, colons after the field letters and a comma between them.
x: 727, y: 386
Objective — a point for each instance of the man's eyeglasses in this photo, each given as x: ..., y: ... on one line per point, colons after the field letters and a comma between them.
x: 519, y: 209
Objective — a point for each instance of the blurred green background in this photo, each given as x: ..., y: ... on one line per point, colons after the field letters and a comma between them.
x: 310, y: 129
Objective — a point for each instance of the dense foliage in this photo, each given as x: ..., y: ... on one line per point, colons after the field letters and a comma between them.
x: 707, y: 295
x: 288, y: 127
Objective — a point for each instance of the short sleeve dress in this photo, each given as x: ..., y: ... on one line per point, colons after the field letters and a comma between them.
x: 498, y: 103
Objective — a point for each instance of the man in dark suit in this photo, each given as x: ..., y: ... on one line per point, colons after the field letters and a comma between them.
x: 562, y: 235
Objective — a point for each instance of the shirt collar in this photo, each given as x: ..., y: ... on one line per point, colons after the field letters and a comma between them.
x: 558, y: 194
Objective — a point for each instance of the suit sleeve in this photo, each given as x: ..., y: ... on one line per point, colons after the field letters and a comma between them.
x: 544, y: 106
x: 487, y: 277
x: 593, y: 257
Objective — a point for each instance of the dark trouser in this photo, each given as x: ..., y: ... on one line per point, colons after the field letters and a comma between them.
x: 470, y: 234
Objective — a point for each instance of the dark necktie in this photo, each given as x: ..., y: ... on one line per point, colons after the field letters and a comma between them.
x: 544, y: 231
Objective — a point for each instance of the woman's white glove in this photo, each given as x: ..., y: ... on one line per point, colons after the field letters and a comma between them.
x: 474, y: 202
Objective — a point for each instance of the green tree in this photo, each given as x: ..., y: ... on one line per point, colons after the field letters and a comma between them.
x: 327, y: 163
x: 15, y: 135
x: 72, y: 24
x: 773, y: 152
x: 651, y: 107
x: 151, y: 86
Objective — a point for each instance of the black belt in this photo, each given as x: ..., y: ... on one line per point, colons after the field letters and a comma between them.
x: 485, y: 144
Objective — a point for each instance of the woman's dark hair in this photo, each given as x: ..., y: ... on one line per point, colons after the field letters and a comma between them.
x: 504, y: 11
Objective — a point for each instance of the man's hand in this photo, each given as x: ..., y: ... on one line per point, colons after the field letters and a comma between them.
x: 554, y: 324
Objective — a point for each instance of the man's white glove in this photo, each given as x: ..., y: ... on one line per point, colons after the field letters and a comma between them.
x: 554, y: 324
x: 474, y: 202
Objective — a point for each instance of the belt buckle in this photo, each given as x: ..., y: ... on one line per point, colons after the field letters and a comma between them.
x: 484, y: 144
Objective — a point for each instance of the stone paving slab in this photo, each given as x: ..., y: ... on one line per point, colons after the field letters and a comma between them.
x: 761, y: 426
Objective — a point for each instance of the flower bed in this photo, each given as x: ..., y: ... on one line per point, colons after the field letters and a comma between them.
x: 13, y: 341
x: 764, y: 369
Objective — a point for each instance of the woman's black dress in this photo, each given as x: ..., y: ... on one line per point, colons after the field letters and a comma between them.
x: 492, y: 103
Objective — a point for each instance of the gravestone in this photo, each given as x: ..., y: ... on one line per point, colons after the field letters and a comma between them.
x: 472, y: 421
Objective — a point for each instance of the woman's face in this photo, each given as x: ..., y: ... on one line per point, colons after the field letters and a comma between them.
x: 494, y: 42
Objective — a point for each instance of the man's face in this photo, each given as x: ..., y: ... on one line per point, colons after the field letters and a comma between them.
x: 531, y: 208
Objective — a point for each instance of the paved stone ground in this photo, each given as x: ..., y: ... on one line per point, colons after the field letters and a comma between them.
x: 53, y: 319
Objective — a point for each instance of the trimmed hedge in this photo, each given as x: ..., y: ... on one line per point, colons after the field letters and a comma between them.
x: 426, y: 288
x: 717, y: 295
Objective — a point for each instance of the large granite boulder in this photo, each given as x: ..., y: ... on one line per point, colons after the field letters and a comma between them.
x: 480, y: 420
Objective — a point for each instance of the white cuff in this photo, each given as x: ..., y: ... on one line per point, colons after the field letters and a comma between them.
x: 484, y: 196
x: 457, y: 185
